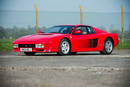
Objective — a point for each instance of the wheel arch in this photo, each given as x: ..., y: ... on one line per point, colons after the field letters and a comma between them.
x: 109, y: 37
x: 68, y: 40
x: 104, y: 50
x: 59, y: 49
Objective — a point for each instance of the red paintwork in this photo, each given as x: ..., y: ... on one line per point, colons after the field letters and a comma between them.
x: 79, y: 43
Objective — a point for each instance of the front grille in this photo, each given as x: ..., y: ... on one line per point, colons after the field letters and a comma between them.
x: 27, y: 45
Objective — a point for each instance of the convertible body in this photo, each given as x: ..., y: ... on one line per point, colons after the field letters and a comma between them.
x: 92, y: 40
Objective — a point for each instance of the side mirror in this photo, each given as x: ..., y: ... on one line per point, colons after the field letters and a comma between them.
x: 39, y: 31
x: 77, y: 32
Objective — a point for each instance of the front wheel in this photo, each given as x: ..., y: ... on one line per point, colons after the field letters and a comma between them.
x: 108, y: 47
x: 29, y: 53
x: 64, y: 47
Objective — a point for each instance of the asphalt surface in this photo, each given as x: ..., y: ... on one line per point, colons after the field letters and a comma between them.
x: 88, y: 69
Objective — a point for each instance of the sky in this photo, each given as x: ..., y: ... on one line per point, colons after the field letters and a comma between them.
x: 65, y: 5
x: 21, y: 13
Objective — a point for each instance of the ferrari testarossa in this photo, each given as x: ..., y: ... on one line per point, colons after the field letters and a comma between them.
x: 67, y: 39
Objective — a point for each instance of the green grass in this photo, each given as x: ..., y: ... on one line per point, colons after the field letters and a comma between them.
x: 6, y: 45
x: 125, y: 45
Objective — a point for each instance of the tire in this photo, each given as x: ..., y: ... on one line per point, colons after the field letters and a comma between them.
x: 108, y: 47
x: 29, y: 53
x: 64, y: 47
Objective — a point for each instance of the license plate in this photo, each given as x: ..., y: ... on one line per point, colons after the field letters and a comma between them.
x: 26, y: 49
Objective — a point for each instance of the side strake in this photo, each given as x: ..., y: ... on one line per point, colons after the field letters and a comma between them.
x: 93, y: 43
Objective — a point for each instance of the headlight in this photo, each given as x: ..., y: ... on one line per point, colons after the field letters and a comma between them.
x: 15, y: 45
x: 39, y: 45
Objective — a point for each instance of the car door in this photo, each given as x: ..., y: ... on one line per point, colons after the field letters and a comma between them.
x: 92, y: 37
x: 85, y: 41
x: 79, y: 41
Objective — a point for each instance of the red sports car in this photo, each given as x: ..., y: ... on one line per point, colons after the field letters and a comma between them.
x: 67, y: 39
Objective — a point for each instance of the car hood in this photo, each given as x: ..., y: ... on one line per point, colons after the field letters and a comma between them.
x: 37, y: 37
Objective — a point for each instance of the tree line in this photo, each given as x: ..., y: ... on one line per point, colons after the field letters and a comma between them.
x: 15, y: 32
x: 114, y: 30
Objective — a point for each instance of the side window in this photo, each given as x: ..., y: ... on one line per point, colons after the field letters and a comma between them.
x: 90, y: 30
x: 83, y: 30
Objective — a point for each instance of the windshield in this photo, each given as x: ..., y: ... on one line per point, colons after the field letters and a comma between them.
x: 60, y: 29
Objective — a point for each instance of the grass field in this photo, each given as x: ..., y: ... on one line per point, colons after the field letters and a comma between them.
x: 6, y: 45
x: 125, y: 45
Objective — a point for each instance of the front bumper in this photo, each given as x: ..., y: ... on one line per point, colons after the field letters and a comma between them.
x: 37, y: 50
x: 48, y: 47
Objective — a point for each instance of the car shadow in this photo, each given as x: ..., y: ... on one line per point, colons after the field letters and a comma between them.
x: 78, y: 54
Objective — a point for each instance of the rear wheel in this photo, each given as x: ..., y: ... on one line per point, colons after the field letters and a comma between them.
x: 108, y: 47
x: 64, y: 47
x: 29, y: 53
